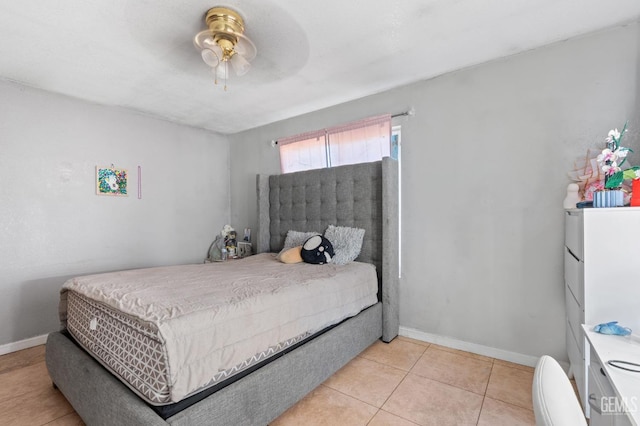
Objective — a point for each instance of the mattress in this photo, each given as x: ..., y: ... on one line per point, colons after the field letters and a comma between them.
x: 171, y: 332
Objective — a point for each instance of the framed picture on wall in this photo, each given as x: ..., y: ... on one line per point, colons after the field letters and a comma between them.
x: 111, y: 181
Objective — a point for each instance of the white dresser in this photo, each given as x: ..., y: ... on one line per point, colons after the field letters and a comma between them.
x: 602, y: 276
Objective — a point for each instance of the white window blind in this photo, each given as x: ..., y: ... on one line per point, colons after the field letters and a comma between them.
x: 358, y: 142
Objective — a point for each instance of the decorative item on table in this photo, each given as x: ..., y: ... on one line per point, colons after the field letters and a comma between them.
x: 230, y: 240
x: 219, y: 249
x: 587, y: 175
x: 635, y: 191
x: 244, y: 249
x: 611, y: 161
x: 573, y: 196
x: 592, y: 187
x: 612, y: 328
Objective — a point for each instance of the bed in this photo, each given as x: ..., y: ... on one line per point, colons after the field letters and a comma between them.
x: 363, y: 196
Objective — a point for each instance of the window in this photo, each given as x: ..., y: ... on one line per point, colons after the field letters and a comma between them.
x: 304, y: 154
x: 358, y: 142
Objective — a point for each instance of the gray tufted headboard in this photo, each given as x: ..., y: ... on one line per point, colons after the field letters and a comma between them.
x: 360, y: 195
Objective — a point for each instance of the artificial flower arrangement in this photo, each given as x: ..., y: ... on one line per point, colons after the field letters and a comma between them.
x: 613, y: 157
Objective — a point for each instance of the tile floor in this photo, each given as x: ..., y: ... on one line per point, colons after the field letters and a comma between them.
x: 409, y: 382
x: 406, y: 382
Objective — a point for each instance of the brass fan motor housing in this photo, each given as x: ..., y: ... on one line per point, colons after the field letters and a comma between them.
x: 221, y: 19
x: 225, y: 23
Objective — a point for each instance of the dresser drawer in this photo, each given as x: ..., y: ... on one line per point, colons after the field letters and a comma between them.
x: 574, y: 350
x: 574, y: 318
x: 597, y: 371
x: 573, y: 236
x: 574, y: 276
x: 600, y: 393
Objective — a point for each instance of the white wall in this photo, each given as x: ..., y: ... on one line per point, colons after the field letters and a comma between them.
x: 52, y: 224
x: 484, y: 175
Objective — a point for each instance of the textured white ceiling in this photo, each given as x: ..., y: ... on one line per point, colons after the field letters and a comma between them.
x: 139, y: 54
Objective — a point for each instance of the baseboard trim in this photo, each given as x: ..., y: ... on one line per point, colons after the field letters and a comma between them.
x: 23, y: 344
x: 475, y: 348
x: 449, y: 342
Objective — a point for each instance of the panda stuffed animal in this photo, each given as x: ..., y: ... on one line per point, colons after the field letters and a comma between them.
x: 317, y: 250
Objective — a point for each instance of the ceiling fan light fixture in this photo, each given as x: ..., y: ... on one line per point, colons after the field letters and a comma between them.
x: 221, y: 72
x: 210, y: 57
x: 239, y: 64
x: 224, y: 42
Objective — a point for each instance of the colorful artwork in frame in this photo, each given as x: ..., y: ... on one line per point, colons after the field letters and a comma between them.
x: 111, y: 181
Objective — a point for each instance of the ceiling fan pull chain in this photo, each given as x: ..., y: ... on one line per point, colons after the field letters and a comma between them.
x: 226, y: 70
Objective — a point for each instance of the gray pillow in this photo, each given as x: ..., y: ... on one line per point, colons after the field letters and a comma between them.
x: 347, y: 243
x: 295, y: 239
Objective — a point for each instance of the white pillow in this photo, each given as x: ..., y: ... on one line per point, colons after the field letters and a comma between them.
x: 346, y: 241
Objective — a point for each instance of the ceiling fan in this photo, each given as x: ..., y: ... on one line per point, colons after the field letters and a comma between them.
x: 224, y: 43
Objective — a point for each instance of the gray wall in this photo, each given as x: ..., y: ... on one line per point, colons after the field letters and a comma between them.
x: 53, y: 225
x: 484, y: 173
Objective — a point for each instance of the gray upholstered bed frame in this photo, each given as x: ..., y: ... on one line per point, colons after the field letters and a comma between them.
x: 363, y: 195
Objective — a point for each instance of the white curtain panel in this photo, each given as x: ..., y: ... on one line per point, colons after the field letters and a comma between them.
x: 361, y: 141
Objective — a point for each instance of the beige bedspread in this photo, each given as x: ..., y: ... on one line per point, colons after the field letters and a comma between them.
x: 214, y: 316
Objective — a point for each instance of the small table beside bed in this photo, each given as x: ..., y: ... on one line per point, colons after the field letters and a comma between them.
x: 236, y: 343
